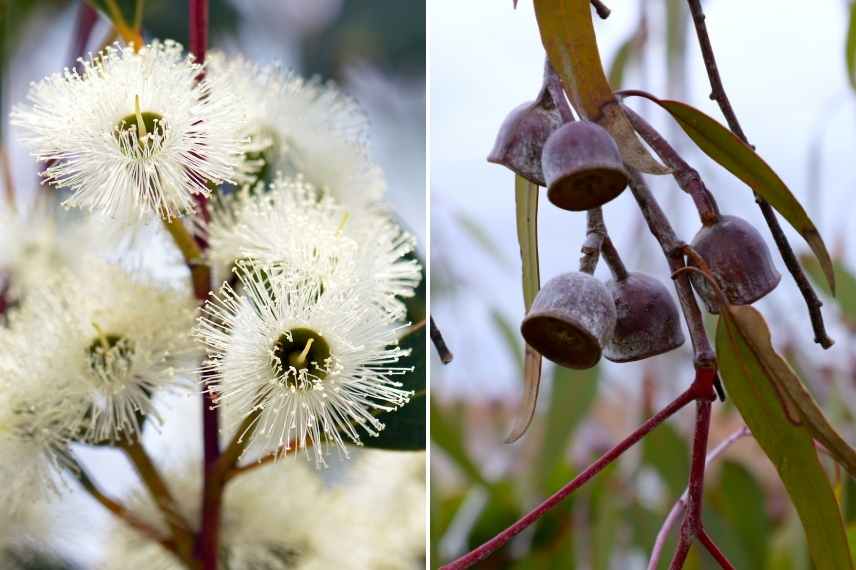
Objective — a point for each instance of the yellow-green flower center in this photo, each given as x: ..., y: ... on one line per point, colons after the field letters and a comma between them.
x: 301, y: 349
x: 109, y: 352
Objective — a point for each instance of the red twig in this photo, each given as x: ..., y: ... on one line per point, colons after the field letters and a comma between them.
x: 678, y: 510
x: 692, y: 525
x: 717, y: 554
x: 199, y: 29
x: 502, y: 538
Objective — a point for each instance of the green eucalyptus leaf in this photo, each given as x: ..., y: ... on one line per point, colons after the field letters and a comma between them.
x: 405, y: 427
x: 788, y: 446
x: 797, y: 401
x: 737, y: 157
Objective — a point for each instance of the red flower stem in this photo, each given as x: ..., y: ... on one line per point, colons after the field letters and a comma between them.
x: 692, y: 524
x: 208, y: 545
x: 199, y: 29
x: 503, y: 537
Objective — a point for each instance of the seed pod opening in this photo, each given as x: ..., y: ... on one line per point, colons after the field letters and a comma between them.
x: 570, y: 320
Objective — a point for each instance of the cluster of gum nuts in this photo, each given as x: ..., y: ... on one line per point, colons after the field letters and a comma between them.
x: 575, y: 318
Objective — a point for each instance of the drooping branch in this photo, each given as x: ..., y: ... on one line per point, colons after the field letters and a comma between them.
x: 503, y: 537
x: 718, y: 94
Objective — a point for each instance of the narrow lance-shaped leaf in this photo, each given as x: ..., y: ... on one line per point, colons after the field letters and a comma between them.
x: 788, y: 446
x: 737, y: 157
x: 756, y: 335
x: 526, y: 198
x: 567, y: 32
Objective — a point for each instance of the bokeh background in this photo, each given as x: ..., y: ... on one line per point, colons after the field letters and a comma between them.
x: 374, y: 50
x: 783, y: 65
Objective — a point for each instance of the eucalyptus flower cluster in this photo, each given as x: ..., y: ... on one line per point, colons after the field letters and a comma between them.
x: 267, y: 176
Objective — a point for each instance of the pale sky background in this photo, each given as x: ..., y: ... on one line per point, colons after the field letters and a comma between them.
x: 783, y: 67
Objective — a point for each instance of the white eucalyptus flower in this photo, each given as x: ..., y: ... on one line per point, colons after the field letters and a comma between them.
x: 36, y: 423
x: 276, y: 518
x: 112, y: 341
x: 134, y: 133
x: 312, y: 366
x: 303, y: 127
x: 312, y: 236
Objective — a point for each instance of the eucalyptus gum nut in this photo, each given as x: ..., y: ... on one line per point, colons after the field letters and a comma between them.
x: 648, y: 322
x: 570, y: 320
x: 522, y: 137
x: 739, y: 260
x: 583, y: 167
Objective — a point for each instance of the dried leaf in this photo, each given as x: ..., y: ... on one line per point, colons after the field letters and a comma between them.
x: 526, y: 196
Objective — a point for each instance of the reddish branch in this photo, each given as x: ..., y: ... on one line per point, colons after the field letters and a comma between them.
x: 503, y: 537
x: 678, y: 510
x: 718, y: 94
